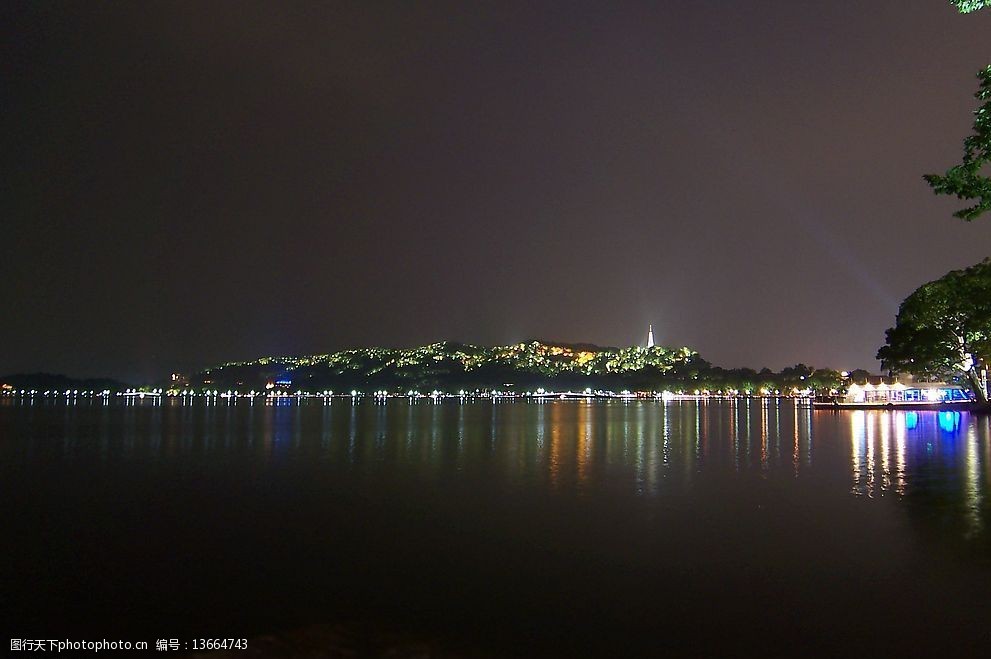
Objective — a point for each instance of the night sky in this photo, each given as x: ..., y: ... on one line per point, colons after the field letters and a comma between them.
x: 189, y: 183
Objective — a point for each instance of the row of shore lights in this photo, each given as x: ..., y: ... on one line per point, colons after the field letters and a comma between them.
x: 380, y: 394
x: 354, y: 393
x: 383, y: 393
x: 53, y: 392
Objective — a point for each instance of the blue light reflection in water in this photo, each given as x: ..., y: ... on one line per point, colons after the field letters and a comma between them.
x: 633, y: 498
x: 949, y: 421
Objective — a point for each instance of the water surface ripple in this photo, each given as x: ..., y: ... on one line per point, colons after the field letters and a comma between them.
x: 559, y: 528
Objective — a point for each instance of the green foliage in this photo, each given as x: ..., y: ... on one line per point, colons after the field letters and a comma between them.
x: 944, y: 328
x: 451, y: 367
x: 967, y: 6
x: 967, y: 180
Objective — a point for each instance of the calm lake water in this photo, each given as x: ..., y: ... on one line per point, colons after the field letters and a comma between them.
x: 514, y: 528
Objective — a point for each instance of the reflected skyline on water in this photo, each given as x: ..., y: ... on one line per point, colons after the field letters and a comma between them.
x: 643, y: 448
x: 456, y: 514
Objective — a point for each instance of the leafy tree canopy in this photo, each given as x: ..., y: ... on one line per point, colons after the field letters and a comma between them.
x: 967, y: 6
x: 968, y: 180
x: 944, y: 328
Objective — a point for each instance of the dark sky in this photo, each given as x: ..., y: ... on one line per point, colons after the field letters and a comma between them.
x: 188, y: 183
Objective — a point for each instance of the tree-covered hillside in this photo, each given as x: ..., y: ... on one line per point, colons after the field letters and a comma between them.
x: 451, y: 367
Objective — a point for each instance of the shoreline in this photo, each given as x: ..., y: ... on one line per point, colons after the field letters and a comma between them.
x: 972, y: 406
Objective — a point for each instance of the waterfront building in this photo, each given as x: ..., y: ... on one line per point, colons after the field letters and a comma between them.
x: 900, y: 393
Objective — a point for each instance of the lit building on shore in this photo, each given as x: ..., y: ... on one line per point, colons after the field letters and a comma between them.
x: 900, y: 393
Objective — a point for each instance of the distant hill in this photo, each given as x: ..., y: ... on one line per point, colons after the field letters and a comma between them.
x: 57, y: 382
x: 449, y: 367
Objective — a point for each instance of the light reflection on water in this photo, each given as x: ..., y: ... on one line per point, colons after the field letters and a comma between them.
x: 645, y: 448
x: 574, y: 446
x: 318, y: 506
x: 942, y: 453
